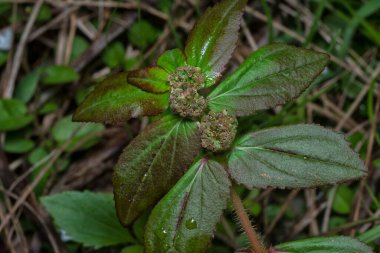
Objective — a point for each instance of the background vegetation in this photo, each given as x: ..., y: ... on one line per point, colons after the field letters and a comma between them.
x: 53, y: 52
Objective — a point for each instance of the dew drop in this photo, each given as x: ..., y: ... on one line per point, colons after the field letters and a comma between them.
x: 191, y: 224
x: 305, y: 158
x: 162, y: 233
x: 144, y: 177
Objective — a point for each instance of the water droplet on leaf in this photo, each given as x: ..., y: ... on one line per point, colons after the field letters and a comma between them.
x: 162, y: 233
x: 144, y: 177
x: 191, y: 224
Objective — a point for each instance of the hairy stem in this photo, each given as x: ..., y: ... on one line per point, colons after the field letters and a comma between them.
x: 246, y: 224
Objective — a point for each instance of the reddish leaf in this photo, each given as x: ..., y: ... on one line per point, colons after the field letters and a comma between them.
x: 213, y: 38
x: 151, y: 79
x: 184, y: 220
x: 152, y: 164
x: 114, y: 101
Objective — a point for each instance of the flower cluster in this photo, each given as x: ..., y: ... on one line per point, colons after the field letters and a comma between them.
x: 218, y: 130
x: 184, y: 97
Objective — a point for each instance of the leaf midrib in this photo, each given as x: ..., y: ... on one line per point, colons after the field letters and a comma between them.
x: 301, y: 157
x: 215, y: 31
x: 244, y: 85
x: 153, y: 161
x: 117, y: 100
x: 183, y: 208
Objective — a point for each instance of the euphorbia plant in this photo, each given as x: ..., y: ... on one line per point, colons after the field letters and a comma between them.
x: 190, y: 156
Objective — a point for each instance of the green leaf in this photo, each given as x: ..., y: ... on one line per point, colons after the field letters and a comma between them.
x: 273, y: 75
x: 336, y: 221
x: 184, y: 220
x: 133, y: 249
x: 59, y: 74
x: 114, y: 55
x: 337, y: 244
x: 132, y: 62
x: 3, y: 57
x: 64, y: 130
x: 292, y: 157
x: 39, y: 158
x: 37, y: 155
x: 152, y: 163
x: 17, y: 145
x: 44, y: 14
x: 115, y: 101
x: 142, y: 34
x: 80, y: 45
x: 13, y: 115
x: 213, y: 38
x: 370, y: 235
x: 5, y: 7
x: 367, y: 9
x: 151, y: 79
x: 87, y: 217
x: 139, y: 226
x: 48, y: 107
x: 171, y: 60
x: 27, y: 86
x: 343, y: 200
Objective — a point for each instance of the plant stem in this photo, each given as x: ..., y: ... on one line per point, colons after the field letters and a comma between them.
x: 246, y: 223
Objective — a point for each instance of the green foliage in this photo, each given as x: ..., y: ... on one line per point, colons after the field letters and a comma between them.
x: 133, y: 249
x: 3, y: 57
x: 39, y: 158
x: 151, y: 79
x: 292, y: 157
x: 171, y: 60
x: 48, y: 107
x: 44, y: 14
x: 343, y: 200
x: 116, y: 101
x: 213, y: 38
x: 13, y: 115
x: 152, y: 164
x: 272, y: 75
x: 87, y: 217
x: 139, y: 226
x: 80, y: 45
x: 325, y: 244
x: 142, y: 34
x: 27, y: 86
x: 65, y: 130
x: 5, y: 7
x: 17, y: 145
x: 57, y: 75
x: 370, y: 235
x: 368, y: 8
x: 156, y: 162
x: 37, y: 155
x: 114, y: 55
x: 184, y: 220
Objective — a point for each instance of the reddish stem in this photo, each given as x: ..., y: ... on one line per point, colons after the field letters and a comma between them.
x: 256, y: 245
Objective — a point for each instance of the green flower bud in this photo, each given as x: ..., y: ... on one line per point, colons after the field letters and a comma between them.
x: 218, y: 130
x: 187, y: 103
x: 184, y: 98
x: 186, y: 77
